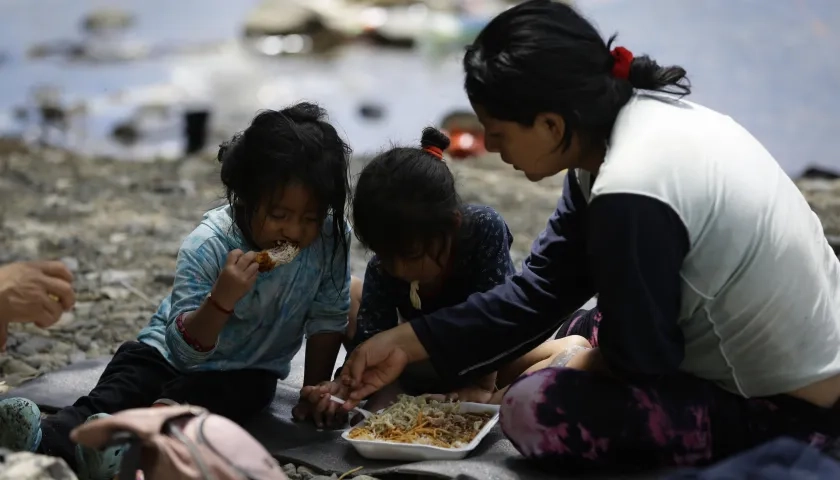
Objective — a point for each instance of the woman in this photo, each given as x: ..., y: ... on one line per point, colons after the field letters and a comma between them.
x: 717, y: 291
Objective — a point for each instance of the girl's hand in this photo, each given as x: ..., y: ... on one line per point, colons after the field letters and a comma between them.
x: 315, y: 403
x: 238, y: 276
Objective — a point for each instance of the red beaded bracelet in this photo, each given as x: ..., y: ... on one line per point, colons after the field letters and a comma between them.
x: 192, y: 342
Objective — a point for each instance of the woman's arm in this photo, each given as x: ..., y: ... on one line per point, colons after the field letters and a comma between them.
x: 493, y: 327
x: 637, y: 245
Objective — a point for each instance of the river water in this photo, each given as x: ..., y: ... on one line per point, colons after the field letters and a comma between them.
x: 773, y: 66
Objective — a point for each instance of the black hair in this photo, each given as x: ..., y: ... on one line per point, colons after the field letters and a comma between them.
x: 406, y: 197
x: 281, y: 147
x: 543, y: 56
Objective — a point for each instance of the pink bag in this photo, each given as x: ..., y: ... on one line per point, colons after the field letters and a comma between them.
x: 180, y: 443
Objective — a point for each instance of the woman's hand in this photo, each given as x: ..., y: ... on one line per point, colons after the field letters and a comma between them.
x: 238, y: 277
x: 315, y: 403
x: 379, y: 361
x: 34, y: 292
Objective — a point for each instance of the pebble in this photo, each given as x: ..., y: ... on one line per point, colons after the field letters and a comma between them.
x: 71, y: 263
x: 13, y: 366
x: 31, y: 466
x: 117, y: 277
x: 118, y: 237
x: 35, y: 345
x: 45, y: 361
x: 82, y: 340
x: 304, y: 473
x: 76, y: 356
x: 115, y: 293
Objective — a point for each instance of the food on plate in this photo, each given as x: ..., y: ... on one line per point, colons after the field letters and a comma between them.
x: 420, y: 421
x: 282, y: 254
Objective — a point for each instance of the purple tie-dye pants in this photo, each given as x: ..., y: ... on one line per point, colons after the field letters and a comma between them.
x: 578, y: 419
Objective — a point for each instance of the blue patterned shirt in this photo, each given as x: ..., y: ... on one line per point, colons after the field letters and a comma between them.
x: 308, y: 296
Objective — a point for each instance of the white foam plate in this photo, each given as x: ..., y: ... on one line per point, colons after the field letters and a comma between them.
x: 380, y: 450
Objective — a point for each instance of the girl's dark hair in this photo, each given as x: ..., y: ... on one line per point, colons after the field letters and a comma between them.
x: 543, y: 56
x: 406, y: 198
x: 282, y: 147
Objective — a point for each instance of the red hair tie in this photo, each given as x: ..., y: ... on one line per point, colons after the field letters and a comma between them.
x: 622, y: 60
x: 434, y: 151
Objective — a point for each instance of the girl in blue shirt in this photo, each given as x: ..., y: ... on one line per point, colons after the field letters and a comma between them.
x: 227, y: 333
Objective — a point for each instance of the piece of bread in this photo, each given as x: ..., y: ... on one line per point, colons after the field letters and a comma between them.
x: 282, y: 254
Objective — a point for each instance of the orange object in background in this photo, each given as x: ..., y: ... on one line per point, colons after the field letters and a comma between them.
x: 465, y: 144
x: 466, y: 134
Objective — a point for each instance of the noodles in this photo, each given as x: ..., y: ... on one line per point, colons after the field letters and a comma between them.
x: 419, y: 421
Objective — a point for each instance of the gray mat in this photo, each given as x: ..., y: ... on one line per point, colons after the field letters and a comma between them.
x: 302, y: 443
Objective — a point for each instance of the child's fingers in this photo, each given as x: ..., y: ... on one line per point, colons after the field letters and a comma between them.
x: 246, y: 259
x: 318, y: 413
x: 300, y: 412
x: 252, y: 270
x: 233, y: 256
x: 312, y: 395
x: 332, y: 410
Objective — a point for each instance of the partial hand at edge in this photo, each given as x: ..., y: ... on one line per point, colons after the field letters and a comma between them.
x: 34, y: 292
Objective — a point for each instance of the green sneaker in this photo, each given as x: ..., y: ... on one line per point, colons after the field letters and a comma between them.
x: 20, y: 425
x: 95, y: 464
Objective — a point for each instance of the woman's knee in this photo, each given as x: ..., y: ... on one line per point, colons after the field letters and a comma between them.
x: 546, y: 413
x: 519, y: 412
